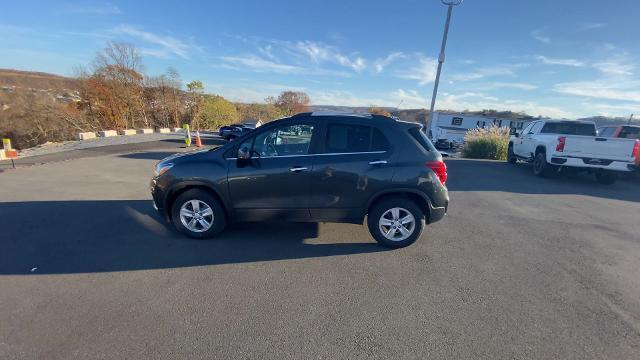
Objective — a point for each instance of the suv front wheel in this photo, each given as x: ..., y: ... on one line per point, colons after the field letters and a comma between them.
x: 395, y: 222
x: 198, y: 214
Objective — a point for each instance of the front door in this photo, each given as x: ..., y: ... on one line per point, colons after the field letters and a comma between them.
x: 274, y: 184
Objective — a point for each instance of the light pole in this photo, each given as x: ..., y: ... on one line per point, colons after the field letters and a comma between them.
x: 441, y: 56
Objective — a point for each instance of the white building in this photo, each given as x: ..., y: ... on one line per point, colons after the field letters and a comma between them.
x: 448, y: 129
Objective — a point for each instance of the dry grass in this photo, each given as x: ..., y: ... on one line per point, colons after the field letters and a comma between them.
x: 489, y: 143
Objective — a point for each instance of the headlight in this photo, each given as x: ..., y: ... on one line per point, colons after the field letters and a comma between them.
x: 162, y: 168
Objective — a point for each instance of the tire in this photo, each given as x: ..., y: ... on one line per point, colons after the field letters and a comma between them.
x: 606, y: 177
x: 387, y: 209
x: 541, y: 167
x: 216, y: 217
x: 511, y: 157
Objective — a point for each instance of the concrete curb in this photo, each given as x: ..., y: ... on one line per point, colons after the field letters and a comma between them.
x: 107, y: 133
x: 127, y: 132
x: 86, y: 135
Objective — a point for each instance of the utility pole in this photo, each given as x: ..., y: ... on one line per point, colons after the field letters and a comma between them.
x: 441, y: 57
x: 630, y: 118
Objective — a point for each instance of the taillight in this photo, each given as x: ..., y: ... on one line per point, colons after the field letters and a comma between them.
x: 561, y: 142
x: 636, y: 149
x: 440, y: 168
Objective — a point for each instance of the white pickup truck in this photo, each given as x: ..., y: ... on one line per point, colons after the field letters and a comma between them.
x: 553, y: 144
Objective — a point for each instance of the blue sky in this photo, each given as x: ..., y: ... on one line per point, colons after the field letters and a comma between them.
x: 568, y: 58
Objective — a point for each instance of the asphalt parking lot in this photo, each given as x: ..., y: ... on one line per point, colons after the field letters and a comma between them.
x: 521, y: 268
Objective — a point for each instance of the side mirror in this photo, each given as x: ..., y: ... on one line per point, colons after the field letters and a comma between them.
x: 516, y: 135
x: 244, y: 153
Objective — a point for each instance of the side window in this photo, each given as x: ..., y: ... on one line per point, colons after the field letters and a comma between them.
x: 536, y: 127
x: 606, y: 131
x: 344, y: 138
x: 379, y: 142
x: 629, y: 132
x: 527, y: 128
x: 283, y: 141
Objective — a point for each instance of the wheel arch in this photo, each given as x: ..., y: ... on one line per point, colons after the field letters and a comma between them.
x: 418, y: 197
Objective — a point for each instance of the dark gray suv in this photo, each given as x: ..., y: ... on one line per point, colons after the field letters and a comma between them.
x: 310, y: 167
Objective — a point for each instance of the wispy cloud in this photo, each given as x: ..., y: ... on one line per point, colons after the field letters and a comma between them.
x: 556, y: 61
x: 482, y: 73
x: 168, y: 44
x: 602, y: 89
x: 538, y: 34
x: 424, y: 72
x: 513, y: 85
x: 320, y: 53
x: 591, y: 26
x: 257, y: 64
x: 381, y: 63
x: 476, y: 101
x: 106, y: 8
x: 614, y: 67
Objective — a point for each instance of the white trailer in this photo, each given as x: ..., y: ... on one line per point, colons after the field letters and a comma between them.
x: 448, y: 129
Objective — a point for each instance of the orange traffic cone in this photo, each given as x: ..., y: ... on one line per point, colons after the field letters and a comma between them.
x: 198, y: 141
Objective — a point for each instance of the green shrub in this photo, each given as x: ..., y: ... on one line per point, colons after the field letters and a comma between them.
x: 489, y: 143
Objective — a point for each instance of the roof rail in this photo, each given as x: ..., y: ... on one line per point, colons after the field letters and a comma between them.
x: 338, y: 113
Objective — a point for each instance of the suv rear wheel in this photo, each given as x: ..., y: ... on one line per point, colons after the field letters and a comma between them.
x: 198, y: 214
x: 395, y: 222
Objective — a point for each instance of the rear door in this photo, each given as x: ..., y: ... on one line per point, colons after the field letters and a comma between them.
x: 355, y: 160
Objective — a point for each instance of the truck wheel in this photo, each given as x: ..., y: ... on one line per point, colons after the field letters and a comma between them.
x: 540, y: 165
x: 198, y: 214
x: 606, y: 177
x: 395, y: 222
x: 511, y: 157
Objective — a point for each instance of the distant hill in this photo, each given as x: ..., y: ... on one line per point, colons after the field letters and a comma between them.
x: 36, y: 80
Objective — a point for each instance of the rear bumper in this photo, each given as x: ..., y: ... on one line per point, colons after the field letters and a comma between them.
x: 590, y: 163
x: 436, y: 214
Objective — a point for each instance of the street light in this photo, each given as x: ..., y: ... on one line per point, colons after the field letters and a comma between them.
x: 450, y: 4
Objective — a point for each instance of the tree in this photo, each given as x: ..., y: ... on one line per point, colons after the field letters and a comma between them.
x: 217, y: 112
x: 195, y: 91
x: 163, y: 98
x: 290, y: 102
x: 113, y: 93
x: 258, y: 112
x: 378, y: 111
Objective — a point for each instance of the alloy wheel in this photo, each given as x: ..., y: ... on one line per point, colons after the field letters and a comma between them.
x: 397, y: 224
x: 196, y: 216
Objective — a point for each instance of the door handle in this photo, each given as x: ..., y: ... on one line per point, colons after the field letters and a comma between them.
x: 297, y: 169
x: 378, y: 162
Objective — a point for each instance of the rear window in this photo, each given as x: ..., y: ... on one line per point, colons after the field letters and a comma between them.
x: 569, y: 128
x: 629, y: 132
x: 422, y: 139
x: 343, y: 138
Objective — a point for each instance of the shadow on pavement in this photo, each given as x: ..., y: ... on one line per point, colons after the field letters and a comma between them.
x: 484, y: 175
x: 149, y: 155
x: 61, y: 237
